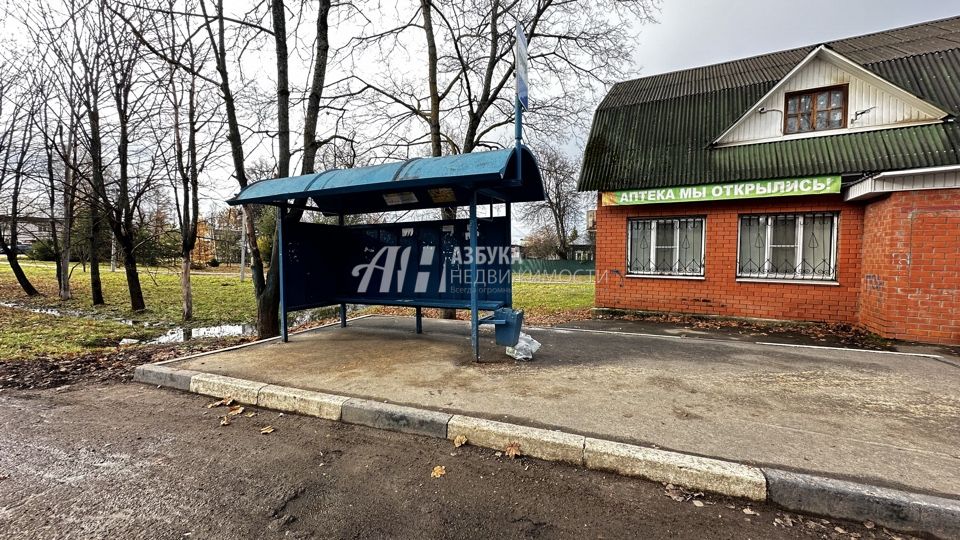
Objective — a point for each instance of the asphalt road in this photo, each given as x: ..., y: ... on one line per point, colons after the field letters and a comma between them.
x: 113, y: 460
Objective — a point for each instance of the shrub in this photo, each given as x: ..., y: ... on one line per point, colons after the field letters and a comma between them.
x: 213, y: 263
x: 42, y: 250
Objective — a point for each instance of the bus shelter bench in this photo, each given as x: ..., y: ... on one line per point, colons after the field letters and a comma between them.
x: 506, y: 321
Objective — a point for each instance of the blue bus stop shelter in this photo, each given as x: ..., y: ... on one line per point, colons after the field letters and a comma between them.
x: 455, y: 263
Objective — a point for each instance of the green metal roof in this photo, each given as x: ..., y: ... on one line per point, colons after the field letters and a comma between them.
x: 657, y: 131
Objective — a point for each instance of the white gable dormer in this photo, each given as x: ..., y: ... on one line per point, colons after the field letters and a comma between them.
x: 868, y: 102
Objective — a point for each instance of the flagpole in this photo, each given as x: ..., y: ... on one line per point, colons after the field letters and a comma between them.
x: 518, y: 128
x: 518, y: 108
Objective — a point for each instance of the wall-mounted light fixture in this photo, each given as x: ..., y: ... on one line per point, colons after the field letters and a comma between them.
x: 858, y: 114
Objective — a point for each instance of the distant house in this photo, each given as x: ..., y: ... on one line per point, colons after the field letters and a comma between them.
x: 29, y: 228
x: 584, y: 247
x: 222, y: 244
x: 819, y: 183
x: 581, y: 249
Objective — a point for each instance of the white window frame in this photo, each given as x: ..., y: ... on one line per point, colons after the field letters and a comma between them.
x: 798, y: 235
x: 675, y: 271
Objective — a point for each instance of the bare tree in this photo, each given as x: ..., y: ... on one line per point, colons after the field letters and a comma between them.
x: 563, y: 205
x: 576, y: 48
x: 540, y: 243
x: 190, y: 140
x: 55, y: 43
x: 267, y: 286
x: 18, y: 110
x: 57, y: 122
x: 112, y: 78
x: 467, y: 103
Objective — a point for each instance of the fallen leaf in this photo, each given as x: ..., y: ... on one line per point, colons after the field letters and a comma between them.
x: 224, y: 420
x: 698, y: 504
x: 227, y: 401
x: 266, y: 430
x: 840, y: 530
x: 459, y: 441
x: 749, y: 512
x: 675, y: 493
x: 235, y: 410
x: 680, y: 494
x: 438, y: 471
x: 512, y: 450
x: 498, y: 454
x: 250, y: 414
x: 869, y: 524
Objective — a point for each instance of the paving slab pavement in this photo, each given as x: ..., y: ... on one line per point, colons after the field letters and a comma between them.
x: 884, y: 419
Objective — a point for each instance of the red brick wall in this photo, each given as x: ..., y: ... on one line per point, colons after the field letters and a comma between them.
x: 720, y: 293
x: 911, y: 281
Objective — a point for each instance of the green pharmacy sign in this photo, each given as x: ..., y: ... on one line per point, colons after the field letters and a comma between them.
x: 814, y: 185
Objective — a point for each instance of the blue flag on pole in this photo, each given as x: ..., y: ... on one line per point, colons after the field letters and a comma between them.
x: 521, y: 61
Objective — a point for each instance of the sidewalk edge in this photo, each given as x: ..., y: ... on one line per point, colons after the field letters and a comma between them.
x: 800, y: 492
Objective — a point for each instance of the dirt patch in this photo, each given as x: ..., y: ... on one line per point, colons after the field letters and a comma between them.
x: 822, y: 333
x: 116, y: 365
x: 116, y: 460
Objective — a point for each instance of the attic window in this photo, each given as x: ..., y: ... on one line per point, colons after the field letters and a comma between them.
x: 815, y: 110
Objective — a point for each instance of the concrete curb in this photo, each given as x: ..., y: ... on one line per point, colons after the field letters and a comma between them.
x: 534, y: 442
x: 395, y: 417
x: 886, y: 507
x: 691, y: 472
x: 161, y: 376
x: 219, y: 386
x: 305, y: 402
x: 798, y: 492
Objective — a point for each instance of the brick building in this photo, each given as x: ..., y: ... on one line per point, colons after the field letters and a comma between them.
x: 820, y: 183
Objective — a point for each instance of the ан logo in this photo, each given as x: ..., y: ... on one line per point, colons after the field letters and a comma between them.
x: 393, y: 261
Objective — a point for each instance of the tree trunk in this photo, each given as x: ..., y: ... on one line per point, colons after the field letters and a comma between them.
x: 11, y: 253
x: 436, y: 146
x: 68, y: 157
x: 65, y: 292
x: 133, y: 275
x: 96, y: 288
x: 279, y: 16
x: 185, y: 286
x: 310, y: 144
x: 268, y: 301
x: 219, y: 46
x: 64, y: 262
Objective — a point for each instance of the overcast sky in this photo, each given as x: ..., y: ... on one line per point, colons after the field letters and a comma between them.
x: 700, y: 32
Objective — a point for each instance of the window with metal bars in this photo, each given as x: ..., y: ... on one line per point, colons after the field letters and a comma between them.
x: 670, y: 246
x: 788, y: 246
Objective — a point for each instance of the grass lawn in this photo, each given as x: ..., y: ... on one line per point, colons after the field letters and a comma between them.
x: 534, y: 296
x: 219, y: 298
x: 27, y: 335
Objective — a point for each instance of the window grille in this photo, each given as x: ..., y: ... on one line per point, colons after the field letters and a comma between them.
x: 672, y: 246
x: 788, y: 246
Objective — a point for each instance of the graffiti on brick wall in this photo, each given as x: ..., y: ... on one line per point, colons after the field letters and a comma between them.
x: 874, y: 282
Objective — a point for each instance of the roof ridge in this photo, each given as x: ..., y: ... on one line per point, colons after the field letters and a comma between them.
x: 808, y: 47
